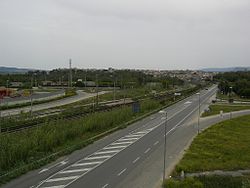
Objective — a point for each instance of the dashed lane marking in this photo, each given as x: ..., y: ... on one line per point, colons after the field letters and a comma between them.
x: 136, y: 159
x: 106, y: 185
x: 157, y: 142
x: 120, y: 173
x: 147, y: 150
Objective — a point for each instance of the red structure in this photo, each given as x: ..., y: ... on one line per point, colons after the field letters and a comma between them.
x: 4, y: 92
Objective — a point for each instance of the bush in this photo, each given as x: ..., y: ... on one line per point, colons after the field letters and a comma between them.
x: 187, y: 183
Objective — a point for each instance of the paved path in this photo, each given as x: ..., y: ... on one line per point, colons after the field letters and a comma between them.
x: 80, y: 96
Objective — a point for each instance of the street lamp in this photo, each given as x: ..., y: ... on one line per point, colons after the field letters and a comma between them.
x: 164, y: 150
x: 199, y: 107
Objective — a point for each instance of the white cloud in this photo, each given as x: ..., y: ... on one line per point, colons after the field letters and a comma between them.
x: 125, y: 34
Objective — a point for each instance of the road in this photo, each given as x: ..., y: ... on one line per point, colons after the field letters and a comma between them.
x: 37, y: 96
x: 80, y: 96
x: 131, y: 157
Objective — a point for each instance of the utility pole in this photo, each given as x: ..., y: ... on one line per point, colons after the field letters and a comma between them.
x: 114, y: 88
x: 97, y: 90
x: 31, y: 97
x: 85, y: 83
x: 70, y: 73
x: 199, y: 111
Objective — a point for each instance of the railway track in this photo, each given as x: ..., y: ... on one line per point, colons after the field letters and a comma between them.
x: 51, y: 115
x: 104, y: 106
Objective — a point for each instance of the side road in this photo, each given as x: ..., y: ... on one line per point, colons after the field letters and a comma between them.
x: 80, y: 96
x: 174, y: 154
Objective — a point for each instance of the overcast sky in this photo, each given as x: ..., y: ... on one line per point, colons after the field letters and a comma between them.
x: 149, y: 34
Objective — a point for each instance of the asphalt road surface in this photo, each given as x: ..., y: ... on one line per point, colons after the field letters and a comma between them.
x: 80, y: 96
x: 36, y: 96
x: 131, y: 157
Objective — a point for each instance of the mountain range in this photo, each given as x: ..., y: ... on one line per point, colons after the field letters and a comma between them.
x: 226, y: 69
x: 13, y: 70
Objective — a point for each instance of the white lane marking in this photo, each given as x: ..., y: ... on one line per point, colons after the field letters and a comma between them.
x: 98, y: 157
x: 121, y: 143
x: 43, y: 170
x: 127, y: 139
x: 64, y: 162
x: 62, y: 179
x: 133, y: 132
x: 120, y: 173
x: 147, y: 150
x: 57, y: 186
x: 136, y: 159
x: 188, y: 102
x: 181, y: 121
x: 114, y: 147
x: 86, y: 164
x: 106, y: 152
x: 60, y: 164
x: 157, y: 142
x: 137, y: 134
x: 106, y: 185
x: 76, y: 170
x: 143, y: 132
x: 133, y: 135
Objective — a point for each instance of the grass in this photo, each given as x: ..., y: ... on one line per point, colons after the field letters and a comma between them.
x: 28, y: 149
x: 22, y: 148
x: 215, y: 109
x: 233, y: 96
x: 224, y: 146
x: 209, y: 182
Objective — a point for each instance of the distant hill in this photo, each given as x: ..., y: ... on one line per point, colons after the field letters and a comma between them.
x: 13, y: 70
x: 227, y: 69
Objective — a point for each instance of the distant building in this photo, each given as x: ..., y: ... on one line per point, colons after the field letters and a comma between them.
x: 48, y: 83
x: 5, y: 92
x: 89, y: 83
x: 16, y: 84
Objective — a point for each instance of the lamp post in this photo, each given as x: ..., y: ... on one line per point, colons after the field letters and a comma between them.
x: 199, y: 111
x: 165, y: 142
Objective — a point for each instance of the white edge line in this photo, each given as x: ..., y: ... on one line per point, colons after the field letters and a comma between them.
x: 121, y: 149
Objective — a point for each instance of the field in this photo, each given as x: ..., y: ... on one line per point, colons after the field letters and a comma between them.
x: 216, y: 108
x: 224, y: 146
x: 233, y: 96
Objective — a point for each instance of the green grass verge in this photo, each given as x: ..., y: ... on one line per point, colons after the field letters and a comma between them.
x: 215, y: 109
x: 48, y: 142
x: 224, y: 146
x: 233, y: 96
x: 209, y: 182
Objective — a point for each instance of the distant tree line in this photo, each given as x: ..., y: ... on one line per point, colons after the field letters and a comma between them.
x: 239, y: 81
x: 122, y: 78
